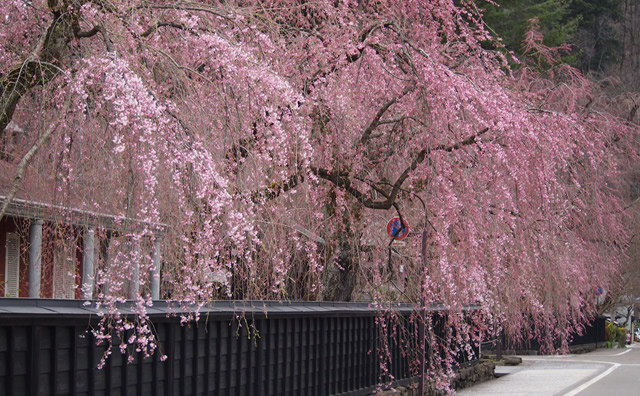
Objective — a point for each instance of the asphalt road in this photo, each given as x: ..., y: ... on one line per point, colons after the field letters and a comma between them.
x: 601, y: 372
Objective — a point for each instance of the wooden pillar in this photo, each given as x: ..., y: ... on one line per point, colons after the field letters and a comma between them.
x: 104, y: 255
x: 35, y: 258
x: 155, y: 273
x: 88, y: 275
x: 134, y: 286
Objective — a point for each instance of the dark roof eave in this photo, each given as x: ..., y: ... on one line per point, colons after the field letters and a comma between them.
x: 53, y: 213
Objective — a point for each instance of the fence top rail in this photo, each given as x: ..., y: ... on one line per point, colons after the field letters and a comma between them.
x: 21, y: 307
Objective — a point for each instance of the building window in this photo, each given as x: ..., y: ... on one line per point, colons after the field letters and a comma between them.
x: 12, y: 265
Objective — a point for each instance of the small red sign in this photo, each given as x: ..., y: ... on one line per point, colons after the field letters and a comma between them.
x: 397, y: 229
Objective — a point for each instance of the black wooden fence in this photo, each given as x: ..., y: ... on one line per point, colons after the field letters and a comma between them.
x: 593, y: 335
x: 298, y: 349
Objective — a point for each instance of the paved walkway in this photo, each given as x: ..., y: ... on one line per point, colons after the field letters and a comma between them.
x: 567, y: 375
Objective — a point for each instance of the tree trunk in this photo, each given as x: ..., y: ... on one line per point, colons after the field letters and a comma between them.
x: 38, y: 71
x: 340, y: 276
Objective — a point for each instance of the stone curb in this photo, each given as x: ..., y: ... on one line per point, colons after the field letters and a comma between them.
x: 465, y: 377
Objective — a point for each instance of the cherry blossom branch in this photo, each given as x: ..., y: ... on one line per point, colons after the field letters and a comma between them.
x: 342, y: 180
x: 275, y: 189
x: 178, y: 65
x: 366, y: 135
x: 423, y: 154
x: 364, y: 34
x: 468, y: 141
x: 22, y: 166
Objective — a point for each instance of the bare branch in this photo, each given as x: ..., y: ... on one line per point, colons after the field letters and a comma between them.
x: 275, y: 189
x: 342, y: 180
x: 190, y: 6
x: 632, y: 113
x: 366, y: 135
x: 39, y: 69
x: 366, y: 32
x: 395, y: 120
x: 18, y: 81
x: 152, y: 29
x: 635, y: 201
x: 468, y: 141
x: 179, y: 66
x: 423, y: 154
x: 90, y: 33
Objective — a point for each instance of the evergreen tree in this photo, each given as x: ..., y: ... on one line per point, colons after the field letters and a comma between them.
x: 598, y: 40
x: 588, y: 25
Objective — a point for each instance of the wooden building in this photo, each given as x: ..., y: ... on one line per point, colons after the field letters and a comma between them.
x: 49, y: 251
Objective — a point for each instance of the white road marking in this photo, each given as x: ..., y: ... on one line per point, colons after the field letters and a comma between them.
x: 622, y: 353
x: 592, y: 381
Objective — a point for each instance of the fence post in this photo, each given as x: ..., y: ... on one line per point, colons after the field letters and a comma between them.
x: 422, y: 347
x: 421, y: 322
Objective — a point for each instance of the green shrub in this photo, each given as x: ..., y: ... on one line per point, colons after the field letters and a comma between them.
x: 615, y: 335
x: 622, y: 336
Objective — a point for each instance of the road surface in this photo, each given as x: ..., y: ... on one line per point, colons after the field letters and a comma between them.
x: 601, y: 372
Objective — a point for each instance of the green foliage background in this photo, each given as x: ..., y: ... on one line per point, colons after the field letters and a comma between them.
x: 590, y: 26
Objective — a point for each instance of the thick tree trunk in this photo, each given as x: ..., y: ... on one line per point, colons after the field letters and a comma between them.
x: 37, y: 70
x: 340, y: 276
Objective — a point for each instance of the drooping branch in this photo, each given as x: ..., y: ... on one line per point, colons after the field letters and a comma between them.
x: 22, y: 166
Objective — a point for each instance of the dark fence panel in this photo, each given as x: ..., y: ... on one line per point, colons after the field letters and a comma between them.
x: 293, y: 349
x: 592, y: 334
